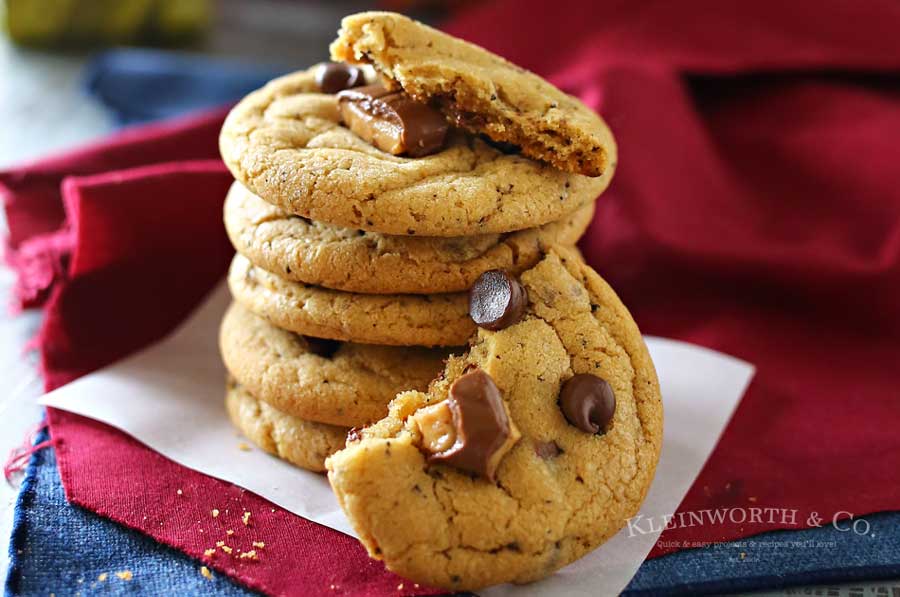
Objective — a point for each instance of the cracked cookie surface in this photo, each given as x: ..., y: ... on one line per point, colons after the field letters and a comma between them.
x: 479, y: 91
x: 350, y: 385
x: 285, y: 142
x: 370, y: 262
x: 437, y: 525
x: 302, y: 443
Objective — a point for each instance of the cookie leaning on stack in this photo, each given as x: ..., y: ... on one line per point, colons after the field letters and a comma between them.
x: 424, y: 193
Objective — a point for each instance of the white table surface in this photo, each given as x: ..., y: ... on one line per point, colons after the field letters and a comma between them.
x: 43, y: 110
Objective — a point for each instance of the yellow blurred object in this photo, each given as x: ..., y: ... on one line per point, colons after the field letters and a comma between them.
x: 105, y: 22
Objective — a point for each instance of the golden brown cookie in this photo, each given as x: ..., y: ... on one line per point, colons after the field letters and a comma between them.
x: 479, y: 91
x: 302, y: 443
x: 338, y: 383
x: 394, y: 319
x: 369, y: 262
x: 419, y: 487
x: 285, y: 142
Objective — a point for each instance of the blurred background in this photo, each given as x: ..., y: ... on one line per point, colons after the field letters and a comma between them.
x: 85, y: 66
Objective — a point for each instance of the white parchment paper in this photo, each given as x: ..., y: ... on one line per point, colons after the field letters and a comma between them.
x: 170, y: 397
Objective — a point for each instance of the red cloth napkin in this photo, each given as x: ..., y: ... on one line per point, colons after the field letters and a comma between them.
x: 39, y: 240
x: 756, y: 210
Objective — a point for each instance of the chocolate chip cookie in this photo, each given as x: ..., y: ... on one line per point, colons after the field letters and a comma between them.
x: 288, y: 143
x: 479, y: 91
x: 338, y: 383
x: 531, y: 450
x: 303, y: 443
x: 299, y: 249
x: 393, y: 319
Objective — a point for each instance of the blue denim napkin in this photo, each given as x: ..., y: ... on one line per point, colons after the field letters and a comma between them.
x: 143, y: 85
x: 57, y: 548
x: 829, y: 554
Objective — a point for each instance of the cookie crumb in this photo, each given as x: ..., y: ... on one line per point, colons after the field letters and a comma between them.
x: 743, y: 555
x: 210, y: 552
x: 400, y: 587
x: 229, y: 532
x: 246, y: 518
x: 752, y: 499
x: 215, y: 512
x: 125, y: 575
x: 220, y: 543
x: 244, y: 447
x: 103, y: 576
x: 179, y: 492
x: 227, y: 549
x: 259, y: 544
x: 249, y: 555
x: 206, y: 573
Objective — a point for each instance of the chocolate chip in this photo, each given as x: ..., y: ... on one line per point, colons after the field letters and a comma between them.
x: 547, y: 450
x: 393, y: 121
x: 496, y: 300
x: 322, y: 347
x: 588, y: 402
x: 332, y: 77
x: 479, y: 431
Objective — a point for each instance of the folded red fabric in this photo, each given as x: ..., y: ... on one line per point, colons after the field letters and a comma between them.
x: 756, y: 210
x: 39, y: 241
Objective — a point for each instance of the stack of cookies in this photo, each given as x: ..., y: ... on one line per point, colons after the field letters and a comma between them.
x: 410, y: 312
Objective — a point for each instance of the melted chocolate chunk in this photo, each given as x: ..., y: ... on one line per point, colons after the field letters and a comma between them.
x: 496, y: 300
x: 332, y: 77
x: 588, y: 403
x: 482, y: 425
x: 393, y: 121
